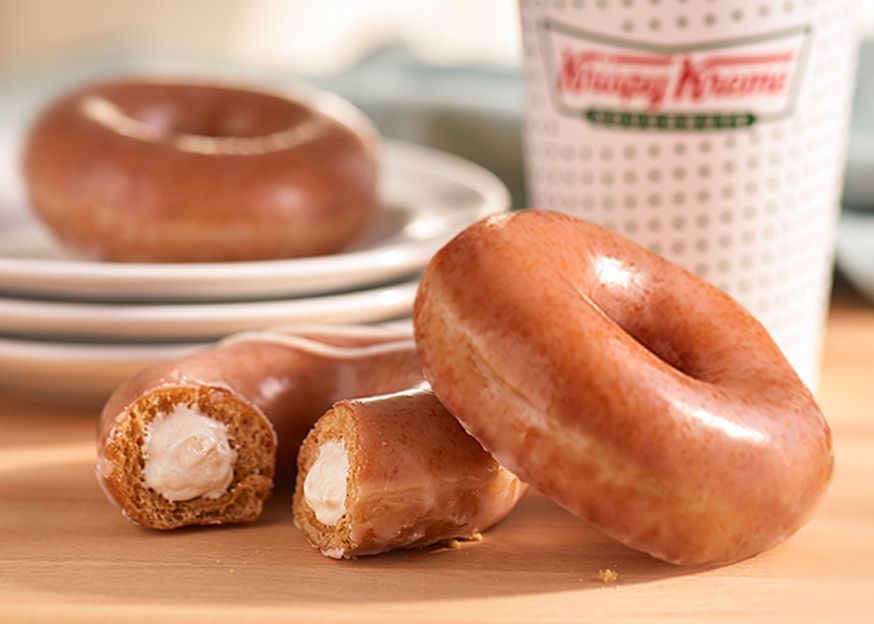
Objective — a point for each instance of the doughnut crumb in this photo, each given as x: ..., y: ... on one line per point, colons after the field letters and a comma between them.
x: 457, y: 543
x: 608, y: 575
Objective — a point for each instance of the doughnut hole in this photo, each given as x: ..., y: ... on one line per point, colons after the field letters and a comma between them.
x: 210, y: 111
x: 659, y: 317
x: 649, y: 331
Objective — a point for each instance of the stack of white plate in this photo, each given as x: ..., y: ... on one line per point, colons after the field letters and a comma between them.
x: 75, y: 328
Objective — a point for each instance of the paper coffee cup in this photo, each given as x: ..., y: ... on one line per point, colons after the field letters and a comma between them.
x: 712, y: 132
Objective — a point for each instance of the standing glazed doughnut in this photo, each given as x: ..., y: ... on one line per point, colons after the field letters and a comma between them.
x: 140, y: 170
x: 630, y: 391
x: 396, y: 471
x: 194, y: 440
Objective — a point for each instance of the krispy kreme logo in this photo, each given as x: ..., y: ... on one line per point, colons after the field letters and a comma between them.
x: 717, y: 85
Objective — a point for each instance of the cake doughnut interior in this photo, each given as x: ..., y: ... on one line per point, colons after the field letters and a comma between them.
x: 198, y: 439
x: 189, y: 455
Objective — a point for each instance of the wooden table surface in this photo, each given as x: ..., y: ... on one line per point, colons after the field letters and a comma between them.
x: 66, y: 555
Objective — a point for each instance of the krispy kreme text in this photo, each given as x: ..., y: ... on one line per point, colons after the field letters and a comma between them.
x: 702, y: 85
x: 658, y: 80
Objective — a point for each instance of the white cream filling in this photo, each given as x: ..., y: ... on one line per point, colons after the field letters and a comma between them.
x: 324, y: 488
x: 188, y: 455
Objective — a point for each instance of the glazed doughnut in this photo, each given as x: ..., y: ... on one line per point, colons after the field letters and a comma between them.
x: 159, y: 171
x: 633, y: 393
x: 396, y: 471
x: 194, y: 440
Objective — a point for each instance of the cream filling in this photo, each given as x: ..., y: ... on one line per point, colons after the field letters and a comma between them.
x: 324, y: 488
x: 188, y: 455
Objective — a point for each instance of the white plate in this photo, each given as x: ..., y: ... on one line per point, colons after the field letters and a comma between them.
x: 120, y: 321
x: 75, y: 373
x: 428, y: 196
x: 84, y: 373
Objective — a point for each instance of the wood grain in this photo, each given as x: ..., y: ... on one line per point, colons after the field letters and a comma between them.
x: 66, y: 555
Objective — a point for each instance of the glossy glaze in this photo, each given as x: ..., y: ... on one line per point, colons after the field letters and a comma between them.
x: 291, y: 379
x: 138, y: 170
x: 415, y: 478
x: 632, y: 392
